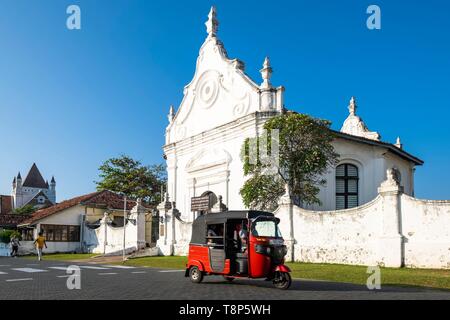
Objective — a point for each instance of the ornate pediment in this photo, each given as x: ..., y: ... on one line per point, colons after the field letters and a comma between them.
x: 220, y: 91
x: 355, y: 126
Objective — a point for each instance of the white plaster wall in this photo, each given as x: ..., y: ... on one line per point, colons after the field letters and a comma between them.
x: 57, y: 247
x: 109, y: 240
x: 372, y: 235
x: 25, y: 248
x: 70, y: 216
x: 372, y: 163
x: 426, y: 230
x: 345, y: 236
x: 4, y: 250
x: 210, y: 162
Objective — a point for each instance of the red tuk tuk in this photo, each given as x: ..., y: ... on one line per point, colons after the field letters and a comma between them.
x: 238, y: 244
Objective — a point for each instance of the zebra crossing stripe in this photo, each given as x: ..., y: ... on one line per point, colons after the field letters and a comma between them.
x: 29, y: 270
x: 94, y: 268
x: 107, y: 273
x: 1, y: 272
x: 14, y: 280
x: 59, y: 268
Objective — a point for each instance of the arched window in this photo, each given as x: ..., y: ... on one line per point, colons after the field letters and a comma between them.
x: 346, y: 186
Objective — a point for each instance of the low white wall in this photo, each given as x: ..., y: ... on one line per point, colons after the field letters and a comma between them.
x: 426, y: 231
x: 112, y: 240
x: 392, y: 230
x: 107, y: 239
x: 28, y: 247
x: 346, y: 236
x: 4, y: 250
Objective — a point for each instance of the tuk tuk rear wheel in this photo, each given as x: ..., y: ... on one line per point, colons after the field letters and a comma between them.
x: 195, y: 274
x: 282, y: 280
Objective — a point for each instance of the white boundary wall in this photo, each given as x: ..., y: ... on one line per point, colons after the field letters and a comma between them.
x: 109, y: 240
x: 393, y: 230
x: 426, y: 228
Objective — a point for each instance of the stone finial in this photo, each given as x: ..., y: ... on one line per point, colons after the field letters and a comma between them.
x: 355, y: 126
x: 266, y: 73
x: 286, y: 198
x: 352, y: 106
x: 106, y: 218
x: 212, y: 25
x: 392, y: 182
x: 166, y: 196
x: 398, y: 143
x: 171, y: 114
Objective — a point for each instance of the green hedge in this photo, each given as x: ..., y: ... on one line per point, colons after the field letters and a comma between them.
x: 5, y: 235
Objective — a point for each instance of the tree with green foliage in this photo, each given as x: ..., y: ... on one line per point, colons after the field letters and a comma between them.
x: 132, y: 178
x: 305, y: 153
x: 6, y: 235
x: 27, y: 209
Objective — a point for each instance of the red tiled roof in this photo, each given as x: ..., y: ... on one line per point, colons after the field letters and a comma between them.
x: 100, y: 199
x: 12, y: 220
x: 5, y: 204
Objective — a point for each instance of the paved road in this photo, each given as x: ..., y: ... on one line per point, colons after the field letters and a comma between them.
x: 30, y: 279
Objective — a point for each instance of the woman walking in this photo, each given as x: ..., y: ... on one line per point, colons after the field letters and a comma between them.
x: 40, y: 243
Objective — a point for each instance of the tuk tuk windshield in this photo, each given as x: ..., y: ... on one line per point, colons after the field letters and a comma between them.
x: 266, y: 228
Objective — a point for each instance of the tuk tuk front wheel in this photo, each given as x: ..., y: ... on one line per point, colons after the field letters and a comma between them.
x: 195, y: 274
x: 282, y: 280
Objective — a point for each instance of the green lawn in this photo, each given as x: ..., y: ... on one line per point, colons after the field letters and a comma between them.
x: 64, y: 256
x: 431, y: 278
x: 333, y: 272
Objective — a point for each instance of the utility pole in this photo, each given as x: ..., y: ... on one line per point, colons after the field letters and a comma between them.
x: 124, y: 224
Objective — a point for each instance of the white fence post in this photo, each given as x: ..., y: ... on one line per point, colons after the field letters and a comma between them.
x: 391, y: 240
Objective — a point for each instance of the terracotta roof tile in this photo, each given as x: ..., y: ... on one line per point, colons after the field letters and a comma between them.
x: 12, y: 220
x: 100, y: 199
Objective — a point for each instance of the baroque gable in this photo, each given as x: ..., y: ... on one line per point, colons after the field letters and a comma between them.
x: 220, y: 91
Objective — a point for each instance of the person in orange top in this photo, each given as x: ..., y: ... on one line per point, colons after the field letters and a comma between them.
x: 40, y: 243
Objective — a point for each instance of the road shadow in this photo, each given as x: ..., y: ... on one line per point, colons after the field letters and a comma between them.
x: 303, y: 285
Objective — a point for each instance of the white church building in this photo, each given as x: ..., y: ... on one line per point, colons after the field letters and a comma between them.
x: 33, y: 190
x: 222, y: 107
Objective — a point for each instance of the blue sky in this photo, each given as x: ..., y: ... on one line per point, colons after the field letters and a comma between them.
x: 71, y: 99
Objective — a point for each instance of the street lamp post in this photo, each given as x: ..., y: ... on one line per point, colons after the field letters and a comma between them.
x: 124, y: 224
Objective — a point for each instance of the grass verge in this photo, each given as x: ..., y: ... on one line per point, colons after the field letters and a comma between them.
x: 64, y: 256
x: 431, y: 278
x: 172, y: 262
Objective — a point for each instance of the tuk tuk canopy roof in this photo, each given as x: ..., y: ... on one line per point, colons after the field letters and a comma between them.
x: 199, y: 225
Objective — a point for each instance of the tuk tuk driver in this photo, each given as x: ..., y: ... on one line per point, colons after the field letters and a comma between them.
x: 242, y: 231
